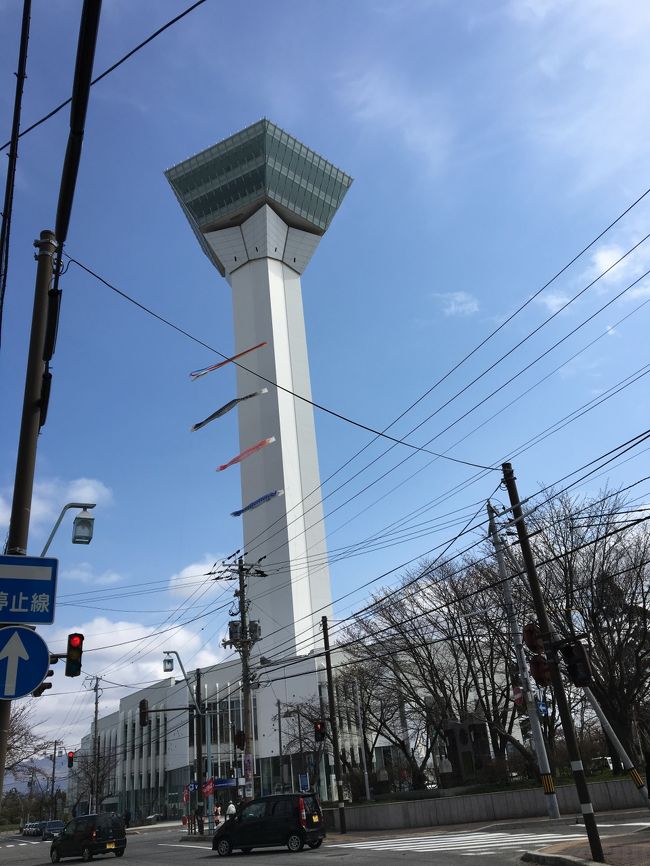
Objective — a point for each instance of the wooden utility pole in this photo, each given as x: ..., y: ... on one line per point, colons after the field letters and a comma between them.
x: 334, y: 726
x: 29, y: 426
x: 554, y: 665
x: 548, y: 783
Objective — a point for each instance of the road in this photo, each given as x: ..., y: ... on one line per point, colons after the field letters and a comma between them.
x: 159, y: 846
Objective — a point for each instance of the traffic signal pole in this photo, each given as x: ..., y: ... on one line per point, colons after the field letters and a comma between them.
x: 562, y: 703
x: 530, y: 703
x: 29, y: 426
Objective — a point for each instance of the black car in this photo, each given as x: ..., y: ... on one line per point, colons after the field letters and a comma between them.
x: 88, y: 835
x: 294, y: 820
x: 51, y: 829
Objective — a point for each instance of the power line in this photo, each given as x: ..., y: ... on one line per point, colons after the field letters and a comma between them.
x: 111, y: 69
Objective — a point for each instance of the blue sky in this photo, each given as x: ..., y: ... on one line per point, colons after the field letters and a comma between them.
x: 489, y: 143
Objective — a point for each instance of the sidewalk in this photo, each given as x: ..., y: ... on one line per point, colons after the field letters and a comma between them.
x: 626, y: 849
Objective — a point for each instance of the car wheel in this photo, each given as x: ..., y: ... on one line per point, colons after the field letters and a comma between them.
x: 120, y: 852
x: 295, y: 843
x: 54, y: 855
x: 86, y: 854
x: 224, y: 848
x: 315, y: 844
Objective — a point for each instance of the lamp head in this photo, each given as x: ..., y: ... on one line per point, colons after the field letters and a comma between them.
x: 82, y: 527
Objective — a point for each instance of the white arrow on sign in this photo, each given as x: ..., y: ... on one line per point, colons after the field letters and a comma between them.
x: 13, y: 651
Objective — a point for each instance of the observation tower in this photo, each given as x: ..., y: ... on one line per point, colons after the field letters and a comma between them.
x: 259, y: 202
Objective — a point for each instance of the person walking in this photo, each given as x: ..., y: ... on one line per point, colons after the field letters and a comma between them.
x: 231, y: 811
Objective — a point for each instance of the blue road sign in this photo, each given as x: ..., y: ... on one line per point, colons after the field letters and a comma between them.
x: 27, y: 589
x: 303, y: 781
x: 543, y: 709
x: 24, y: 661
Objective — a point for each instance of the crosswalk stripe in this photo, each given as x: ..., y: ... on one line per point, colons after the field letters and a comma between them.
x: 487, y: 843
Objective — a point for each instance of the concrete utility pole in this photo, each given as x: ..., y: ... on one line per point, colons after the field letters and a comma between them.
x: 553, y: 660
x: 29, y: 426
x: 52, y: 808
x: 198, y: 741
x: 530, y: 703
x: 245, y: 650
x: 96, y: 747
x: 334, y: 726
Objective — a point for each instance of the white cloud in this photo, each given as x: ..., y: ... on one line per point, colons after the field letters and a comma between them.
x: 186, y: 581
x: 458, y: 303
x: 582, y: 95
x: 379, y: 99
x: 50, y: 495
x: 553, y: 301
x: 84, y: 573
x: 113, y: 650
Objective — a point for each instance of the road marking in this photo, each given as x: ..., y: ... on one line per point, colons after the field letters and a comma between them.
x: 172, y: 845
x: 485, y: 843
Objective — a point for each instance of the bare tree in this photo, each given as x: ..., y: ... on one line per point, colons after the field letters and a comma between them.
x: 24, y: 741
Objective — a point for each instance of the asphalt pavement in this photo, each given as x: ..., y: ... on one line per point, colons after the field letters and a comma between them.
x: 626, y: 839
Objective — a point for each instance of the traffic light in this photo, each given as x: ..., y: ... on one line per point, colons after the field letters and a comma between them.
x: 38, y: 691
x: 578, y: 664
x: 73, y: 654
x: 70, y: 760
x: 540, y: 670
x: 143, y: 706
x: 319, y: 731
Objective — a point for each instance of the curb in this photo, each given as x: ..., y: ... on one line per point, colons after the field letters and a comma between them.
x: 555, y: 859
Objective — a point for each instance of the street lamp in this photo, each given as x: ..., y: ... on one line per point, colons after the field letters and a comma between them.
x: 82, y: 528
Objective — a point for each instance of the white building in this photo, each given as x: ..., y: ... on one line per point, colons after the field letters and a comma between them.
x: 151, y: 766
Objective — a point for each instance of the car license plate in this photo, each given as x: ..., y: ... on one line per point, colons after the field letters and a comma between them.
x: 315, y: 819
x: 110, y: 845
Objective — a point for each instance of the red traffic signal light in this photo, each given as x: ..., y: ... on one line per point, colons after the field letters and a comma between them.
x: 70, y: 760
x: 143, y: 707
x: 73, y: 654
x: 319, y: 731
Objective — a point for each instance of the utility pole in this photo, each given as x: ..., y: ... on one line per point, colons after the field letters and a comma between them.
x: 245, y: 650
x: 198, y: 739
x: 279, y: 706
x: 334, y: 726
x: 29, y: 427
x: 52, y: 809
x: 95, y: 787
x: 553, y: 660
x: 530, y: 703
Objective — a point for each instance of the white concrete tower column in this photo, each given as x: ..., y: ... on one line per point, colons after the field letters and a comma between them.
x: 259, y: 203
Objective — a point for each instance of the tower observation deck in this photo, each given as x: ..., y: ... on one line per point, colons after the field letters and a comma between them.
x: 259, y: 203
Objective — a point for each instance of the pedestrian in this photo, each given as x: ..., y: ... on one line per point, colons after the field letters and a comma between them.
x: 217, y: 813
x: 231, y: 811
x: 127, y: 818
